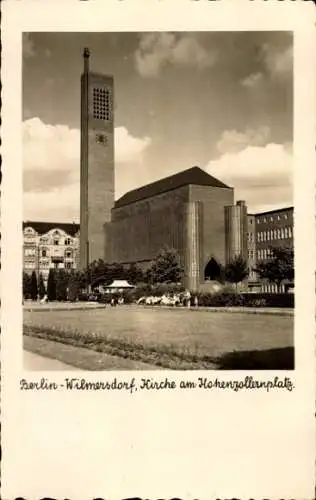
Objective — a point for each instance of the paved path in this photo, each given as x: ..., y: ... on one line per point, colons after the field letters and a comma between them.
x: 33, y: 362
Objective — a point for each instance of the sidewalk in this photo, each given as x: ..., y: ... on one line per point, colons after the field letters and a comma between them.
x: 35, y: 362
x: 48, y: 355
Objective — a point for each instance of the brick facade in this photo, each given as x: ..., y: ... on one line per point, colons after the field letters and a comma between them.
x: 189, y: 218
x: 97, y: 162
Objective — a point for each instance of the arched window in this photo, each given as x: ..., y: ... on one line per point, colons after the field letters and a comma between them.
x: 286, y: 232
x: 282, y: 232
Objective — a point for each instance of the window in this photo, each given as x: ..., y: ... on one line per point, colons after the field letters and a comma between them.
x: 68, y: 265
x: 29, y: 251
x: 282, y: 233
x: 102, y: 104
x: 68, y: 241
x: 44, y: 253
x: 56, y: 242
x: 29, y: 265
x: 286, y: 233
x: 68, y: 253
x: 285, y: 216
x: 264, y: 219
x: 278, y: 234
x: 268, y: 235
x: 290, y: 232
x: 275, y: 234
x: 278, y: 217
x: 271, y: 219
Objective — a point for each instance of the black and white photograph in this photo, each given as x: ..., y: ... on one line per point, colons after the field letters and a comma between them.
x: 158, y: 213
x: 157, y: 250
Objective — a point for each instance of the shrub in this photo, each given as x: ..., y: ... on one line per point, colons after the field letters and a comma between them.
x: 221, y: 299
x: 269, y: 300
x: 83, y: 297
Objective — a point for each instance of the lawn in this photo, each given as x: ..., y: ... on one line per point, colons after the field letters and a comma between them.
x: 200, y: 332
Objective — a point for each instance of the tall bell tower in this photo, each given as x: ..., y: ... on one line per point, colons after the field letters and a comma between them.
x: 96, y: 161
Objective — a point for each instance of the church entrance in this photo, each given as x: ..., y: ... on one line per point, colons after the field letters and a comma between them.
x: 212, y: 271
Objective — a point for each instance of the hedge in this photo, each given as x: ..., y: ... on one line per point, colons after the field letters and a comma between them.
x: 282, y: 300
x: 205, y: 299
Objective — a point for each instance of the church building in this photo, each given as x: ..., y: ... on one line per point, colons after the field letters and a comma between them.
x: 190, y: 211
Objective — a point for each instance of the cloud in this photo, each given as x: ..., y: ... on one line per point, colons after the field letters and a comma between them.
x: 50, y: 147
x: 28, y: 46
x: 277, y: 64
x: 261, y: 175
x: 156, y: 50
x: 51, y: 156
x: 252, y: 80
x: 232, y: 141
x: 59, y: 204
x: 129, y: 148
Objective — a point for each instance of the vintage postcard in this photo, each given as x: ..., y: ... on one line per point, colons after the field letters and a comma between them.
x: 158, y: 250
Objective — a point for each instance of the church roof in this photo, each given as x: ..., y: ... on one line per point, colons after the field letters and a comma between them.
x: 43, y: 227
x: 194, y: 175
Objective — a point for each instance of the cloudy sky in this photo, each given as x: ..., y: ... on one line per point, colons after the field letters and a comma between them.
x: 222, y: 101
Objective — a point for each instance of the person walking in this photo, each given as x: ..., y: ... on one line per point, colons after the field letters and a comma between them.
x: 187, y: 298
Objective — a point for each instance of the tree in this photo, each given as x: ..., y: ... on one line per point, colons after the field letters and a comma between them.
x: 101, y: 272
x: 279, y: 267
x: 148, y: 276
x: 76, y: 283
x: 41, y: 287
x: 34, y: 290
x: 62, y: 279
x: 236, y: 270
x: 51, y: 285
x: 26, y: 286
x: 134, y: 274
x: 166, y: 267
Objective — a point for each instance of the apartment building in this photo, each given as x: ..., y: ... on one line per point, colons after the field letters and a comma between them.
x: 49, y: 245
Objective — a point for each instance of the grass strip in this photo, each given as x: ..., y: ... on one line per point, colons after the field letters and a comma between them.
x: 165, y: 356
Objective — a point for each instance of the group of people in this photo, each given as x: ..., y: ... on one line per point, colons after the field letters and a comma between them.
x: 117, y: 301
x: 183, y: 299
